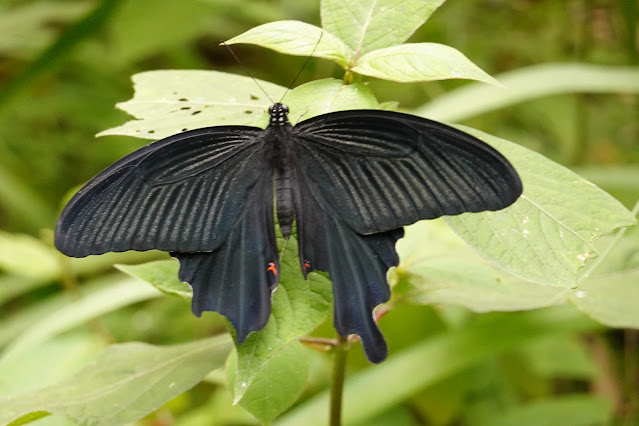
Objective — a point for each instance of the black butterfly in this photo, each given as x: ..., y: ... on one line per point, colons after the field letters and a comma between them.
x: 350, y: 180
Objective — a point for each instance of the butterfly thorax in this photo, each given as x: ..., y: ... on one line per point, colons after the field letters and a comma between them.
x: 279, y: 134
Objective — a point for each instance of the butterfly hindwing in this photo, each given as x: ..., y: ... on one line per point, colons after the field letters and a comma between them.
x: 381, y: 170
x: 357, y: 265
x: 182, y: 193
x: 236, y: 280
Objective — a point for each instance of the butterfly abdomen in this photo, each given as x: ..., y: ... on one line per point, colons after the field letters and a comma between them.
x: 284, y: 201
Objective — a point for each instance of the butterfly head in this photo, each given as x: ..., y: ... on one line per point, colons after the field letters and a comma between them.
x: 279, y: 115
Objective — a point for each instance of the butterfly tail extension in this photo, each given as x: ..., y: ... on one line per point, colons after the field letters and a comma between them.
x: 237, y: 279
x: 358, y: 265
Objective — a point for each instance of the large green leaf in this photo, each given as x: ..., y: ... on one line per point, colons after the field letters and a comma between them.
x: 445, y: 270
x: 549, y: 234
x: 299, y: 306
x: 366, y: 25
x: 278, y: 384
x: 414, y: 62
x: 529, y: 83
x: 297, y: 38
x: 124, y: 384
x: 375, y: 390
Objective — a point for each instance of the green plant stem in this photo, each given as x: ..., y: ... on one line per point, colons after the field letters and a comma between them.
x: 337, y: 384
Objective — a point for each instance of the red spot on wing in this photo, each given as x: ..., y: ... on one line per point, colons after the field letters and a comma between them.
x: 272, y: 268
x: 306, y: 265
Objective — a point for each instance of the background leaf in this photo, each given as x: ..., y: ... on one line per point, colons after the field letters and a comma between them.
x: 120, y: 293
x: 443, y: 355
x: 529, y: 83
x: 124, y: 384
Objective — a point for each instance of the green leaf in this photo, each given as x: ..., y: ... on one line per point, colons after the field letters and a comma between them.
x: 420, y: 62
x: 530, y: 83
x: 117, y: 294
x: 328, y: 95
x: 367, y: 25
x: 375, y: 390
x: 161, y: 274
x: 573, y: 410
x: 278, y: 384
x: 299, y: 306
x: 167, y: 102
x: 549, y: 234
x: 297, y: 38
x: 610, y: 299
x: 447, y: 271
x: 124, y: 384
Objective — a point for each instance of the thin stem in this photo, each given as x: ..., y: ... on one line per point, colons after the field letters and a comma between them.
x: 337, y: 385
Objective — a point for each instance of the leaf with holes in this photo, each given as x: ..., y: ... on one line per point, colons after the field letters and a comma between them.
x: 170, y: 102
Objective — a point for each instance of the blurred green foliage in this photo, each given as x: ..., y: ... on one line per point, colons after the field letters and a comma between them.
x: 65, y: 64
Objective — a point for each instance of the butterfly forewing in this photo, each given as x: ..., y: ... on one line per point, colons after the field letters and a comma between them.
x: 381, y: 170
x: 182, y: 193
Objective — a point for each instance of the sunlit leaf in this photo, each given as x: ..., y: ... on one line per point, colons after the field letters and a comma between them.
x: 420, y: 62
x: 168, y: 102
x: 367, y: 25
x: 297, y: 38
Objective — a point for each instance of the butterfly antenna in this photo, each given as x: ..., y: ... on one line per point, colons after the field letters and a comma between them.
x: 223, y: 43
x: 303, y: 66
